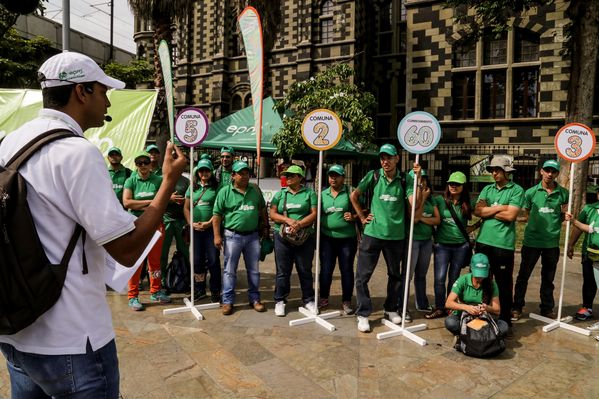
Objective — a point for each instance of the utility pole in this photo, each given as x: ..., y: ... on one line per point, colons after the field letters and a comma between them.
x: 111, y: 54
x: 66, y: 25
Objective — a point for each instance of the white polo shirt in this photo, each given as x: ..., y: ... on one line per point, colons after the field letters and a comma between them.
x: 68, y: 183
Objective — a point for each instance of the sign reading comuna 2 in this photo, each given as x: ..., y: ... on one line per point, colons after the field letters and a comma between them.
x: 322, y: 129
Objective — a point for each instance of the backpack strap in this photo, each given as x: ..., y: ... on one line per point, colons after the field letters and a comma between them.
x: 34, y: 145
x: 71, y: 247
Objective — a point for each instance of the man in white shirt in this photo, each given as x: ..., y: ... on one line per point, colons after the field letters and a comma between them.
x: 70, y: 350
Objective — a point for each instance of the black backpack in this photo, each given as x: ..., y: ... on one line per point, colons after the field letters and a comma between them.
x: 485, y: 342
x: 29, y: 284
x: 177, y: 274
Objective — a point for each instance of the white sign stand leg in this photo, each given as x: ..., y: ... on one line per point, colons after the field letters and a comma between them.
x: 397, y: 330
x: 310, y: 317
x: 559, y: 323
x: 189, y: 307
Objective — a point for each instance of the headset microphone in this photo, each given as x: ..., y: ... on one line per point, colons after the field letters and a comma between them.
x: 108, y: 118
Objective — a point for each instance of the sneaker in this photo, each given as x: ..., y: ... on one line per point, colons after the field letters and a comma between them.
x: 215, y: 298
x: 584, y: 314
x: 311, y: 307
x: 426, y: 309
x: 393, y: 317
x: 363, y: 324
x: 280, y: 309
x: 134, y: 304
x: 408, y: 316
x: 161, y: 297
x: 347, y: 309
x: 593, y: 327
x: 516, y: 315
x: 323, y: 303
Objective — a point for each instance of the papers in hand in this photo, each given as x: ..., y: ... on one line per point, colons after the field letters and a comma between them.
x: 117, y: 275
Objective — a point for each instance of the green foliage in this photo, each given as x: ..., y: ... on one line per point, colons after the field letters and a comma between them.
x: 137, y: 71
x: 20, y: 59
x: 331, y: 89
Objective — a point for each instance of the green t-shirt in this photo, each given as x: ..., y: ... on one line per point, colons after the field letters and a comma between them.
x: 225, y: 177
x: 203, y: 200
x: 332, y: 223
x: 118, y: 178
x: 545, y: 216
x: 158, y: 171
x: 495, y: 232
x: 590, y: 215
x: 466, y: 292
x: 174, y: 211
x: 388, y: 207
x: 240, y: 211
x: 298, y: 205
x: 143, y: 189
x: 448, y: 232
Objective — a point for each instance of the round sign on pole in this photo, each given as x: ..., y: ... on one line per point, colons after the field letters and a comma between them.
x: 191, y: 126
x: 322, y: 129
x: 419, y: 132
x: 575, y: 142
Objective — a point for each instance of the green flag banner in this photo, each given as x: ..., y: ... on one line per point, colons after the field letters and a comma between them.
x: 131, y: 113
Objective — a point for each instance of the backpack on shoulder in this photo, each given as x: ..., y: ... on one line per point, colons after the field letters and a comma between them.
x: 29, y: 284
x: 479, y: 336
x: 177, y: 274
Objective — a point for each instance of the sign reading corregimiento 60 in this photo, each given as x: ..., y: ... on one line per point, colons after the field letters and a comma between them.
x: 322, y: 129
x: 191, y: 126
x: 419, y: 132
x: 575, y: 142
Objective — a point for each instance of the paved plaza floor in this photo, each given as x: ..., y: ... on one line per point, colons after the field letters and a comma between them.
x: 257, y: 355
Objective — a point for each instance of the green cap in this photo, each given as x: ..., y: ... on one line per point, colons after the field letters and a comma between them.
x: 457, y: 177
x: 388, y: 149
x: 238, y: 166
x: 115, y: 149
x: 203, y: 164
x: 479, y: 265
x: 294, y: 169
x: 206, y: 156
x: 422, y: 173
x: 152, y: 147
x: 141, y: 154
x: 228, y: 149
x: 337, y: 169
x: 551, y: 163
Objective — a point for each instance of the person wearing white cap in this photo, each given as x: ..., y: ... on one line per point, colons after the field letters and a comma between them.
x: 68, y: 184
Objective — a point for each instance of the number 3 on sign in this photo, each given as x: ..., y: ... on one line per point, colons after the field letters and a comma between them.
x: 575, y: 147
x: 321, y: 129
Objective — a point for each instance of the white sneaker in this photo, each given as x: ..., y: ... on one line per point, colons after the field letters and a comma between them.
x: 593, y: 327
x: 363, y: 324
x: 311, y: 307
x: 280, y: 309
x: 393, y: 317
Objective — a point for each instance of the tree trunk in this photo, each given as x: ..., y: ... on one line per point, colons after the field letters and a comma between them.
x: 584, y: 15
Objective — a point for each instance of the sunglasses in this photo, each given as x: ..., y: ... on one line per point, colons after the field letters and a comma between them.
x: 225, y: 156
x: 550, y: 170
x: 452, y: 184
x: 140, y: 163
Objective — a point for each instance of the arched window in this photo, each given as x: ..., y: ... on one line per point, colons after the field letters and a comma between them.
x: 236, y: 103
x: 326, y: 22
x: 248, y: 100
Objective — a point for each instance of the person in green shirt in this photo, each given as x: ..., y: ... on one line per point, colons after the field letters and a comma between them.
x: 206, y: 256
x: 241, y: 208
x: 384, y: 231
x: 425, y: 218
x: 498, y: 206
x: 140, y: 190
x: 224, y: 171
x: 294, y: 208
x: 544, y: 206
x: 156, y: 165
x: 117, y: 171
x: 338, y: 238
x: 475, y: 293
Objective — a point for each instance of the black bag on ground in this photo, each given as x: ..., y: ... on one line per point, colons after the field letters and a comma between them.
x: 177, y: 274
x: 29, y: 284
x: 483, y: 342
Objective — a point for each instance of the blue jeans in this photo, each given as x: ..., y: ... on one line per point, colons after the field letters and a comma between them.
x: 236, y: 244
x: 206, y: 257
x: 92, y: 375
x: 332, y: 249
x: 421, y: 257
x: 449, y: 260
x: 286, y: 255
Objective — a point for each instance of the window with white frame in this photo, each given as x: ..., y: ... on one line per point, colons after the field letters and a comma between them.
x: 326, y: 22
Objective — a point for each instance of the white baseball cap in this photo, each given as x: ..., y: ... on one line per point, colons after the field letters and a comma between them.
x: 70, y: 67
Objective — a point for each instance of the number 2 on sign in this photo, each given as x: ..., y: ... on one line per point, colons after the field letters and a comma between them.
x: 575, y: 147
x: 321, y: 129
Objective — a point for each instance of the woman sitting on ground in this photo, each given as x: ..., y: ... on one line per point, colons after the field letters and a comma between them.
x: 475, y: 293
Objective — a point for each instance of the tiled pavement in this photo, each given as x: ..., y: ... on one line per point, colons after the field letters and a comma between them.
x: 257, y: 355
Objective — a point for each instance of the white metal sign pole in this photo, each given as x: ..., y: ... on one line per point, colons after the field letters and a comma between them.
x: 191, y: 128
x: 573, y: 142
x: 321, y: 130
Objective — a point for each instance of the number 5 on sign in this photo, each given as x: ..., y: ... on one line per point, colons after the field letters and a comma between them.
x: 322, y: 129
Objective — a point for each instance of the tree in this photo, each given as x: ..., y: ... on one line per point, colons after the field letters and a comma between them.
x: 20, y: 59
x: 332, y: 89
x: 11, y: 10
x: 137, y: 71
x: 582, y: 48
